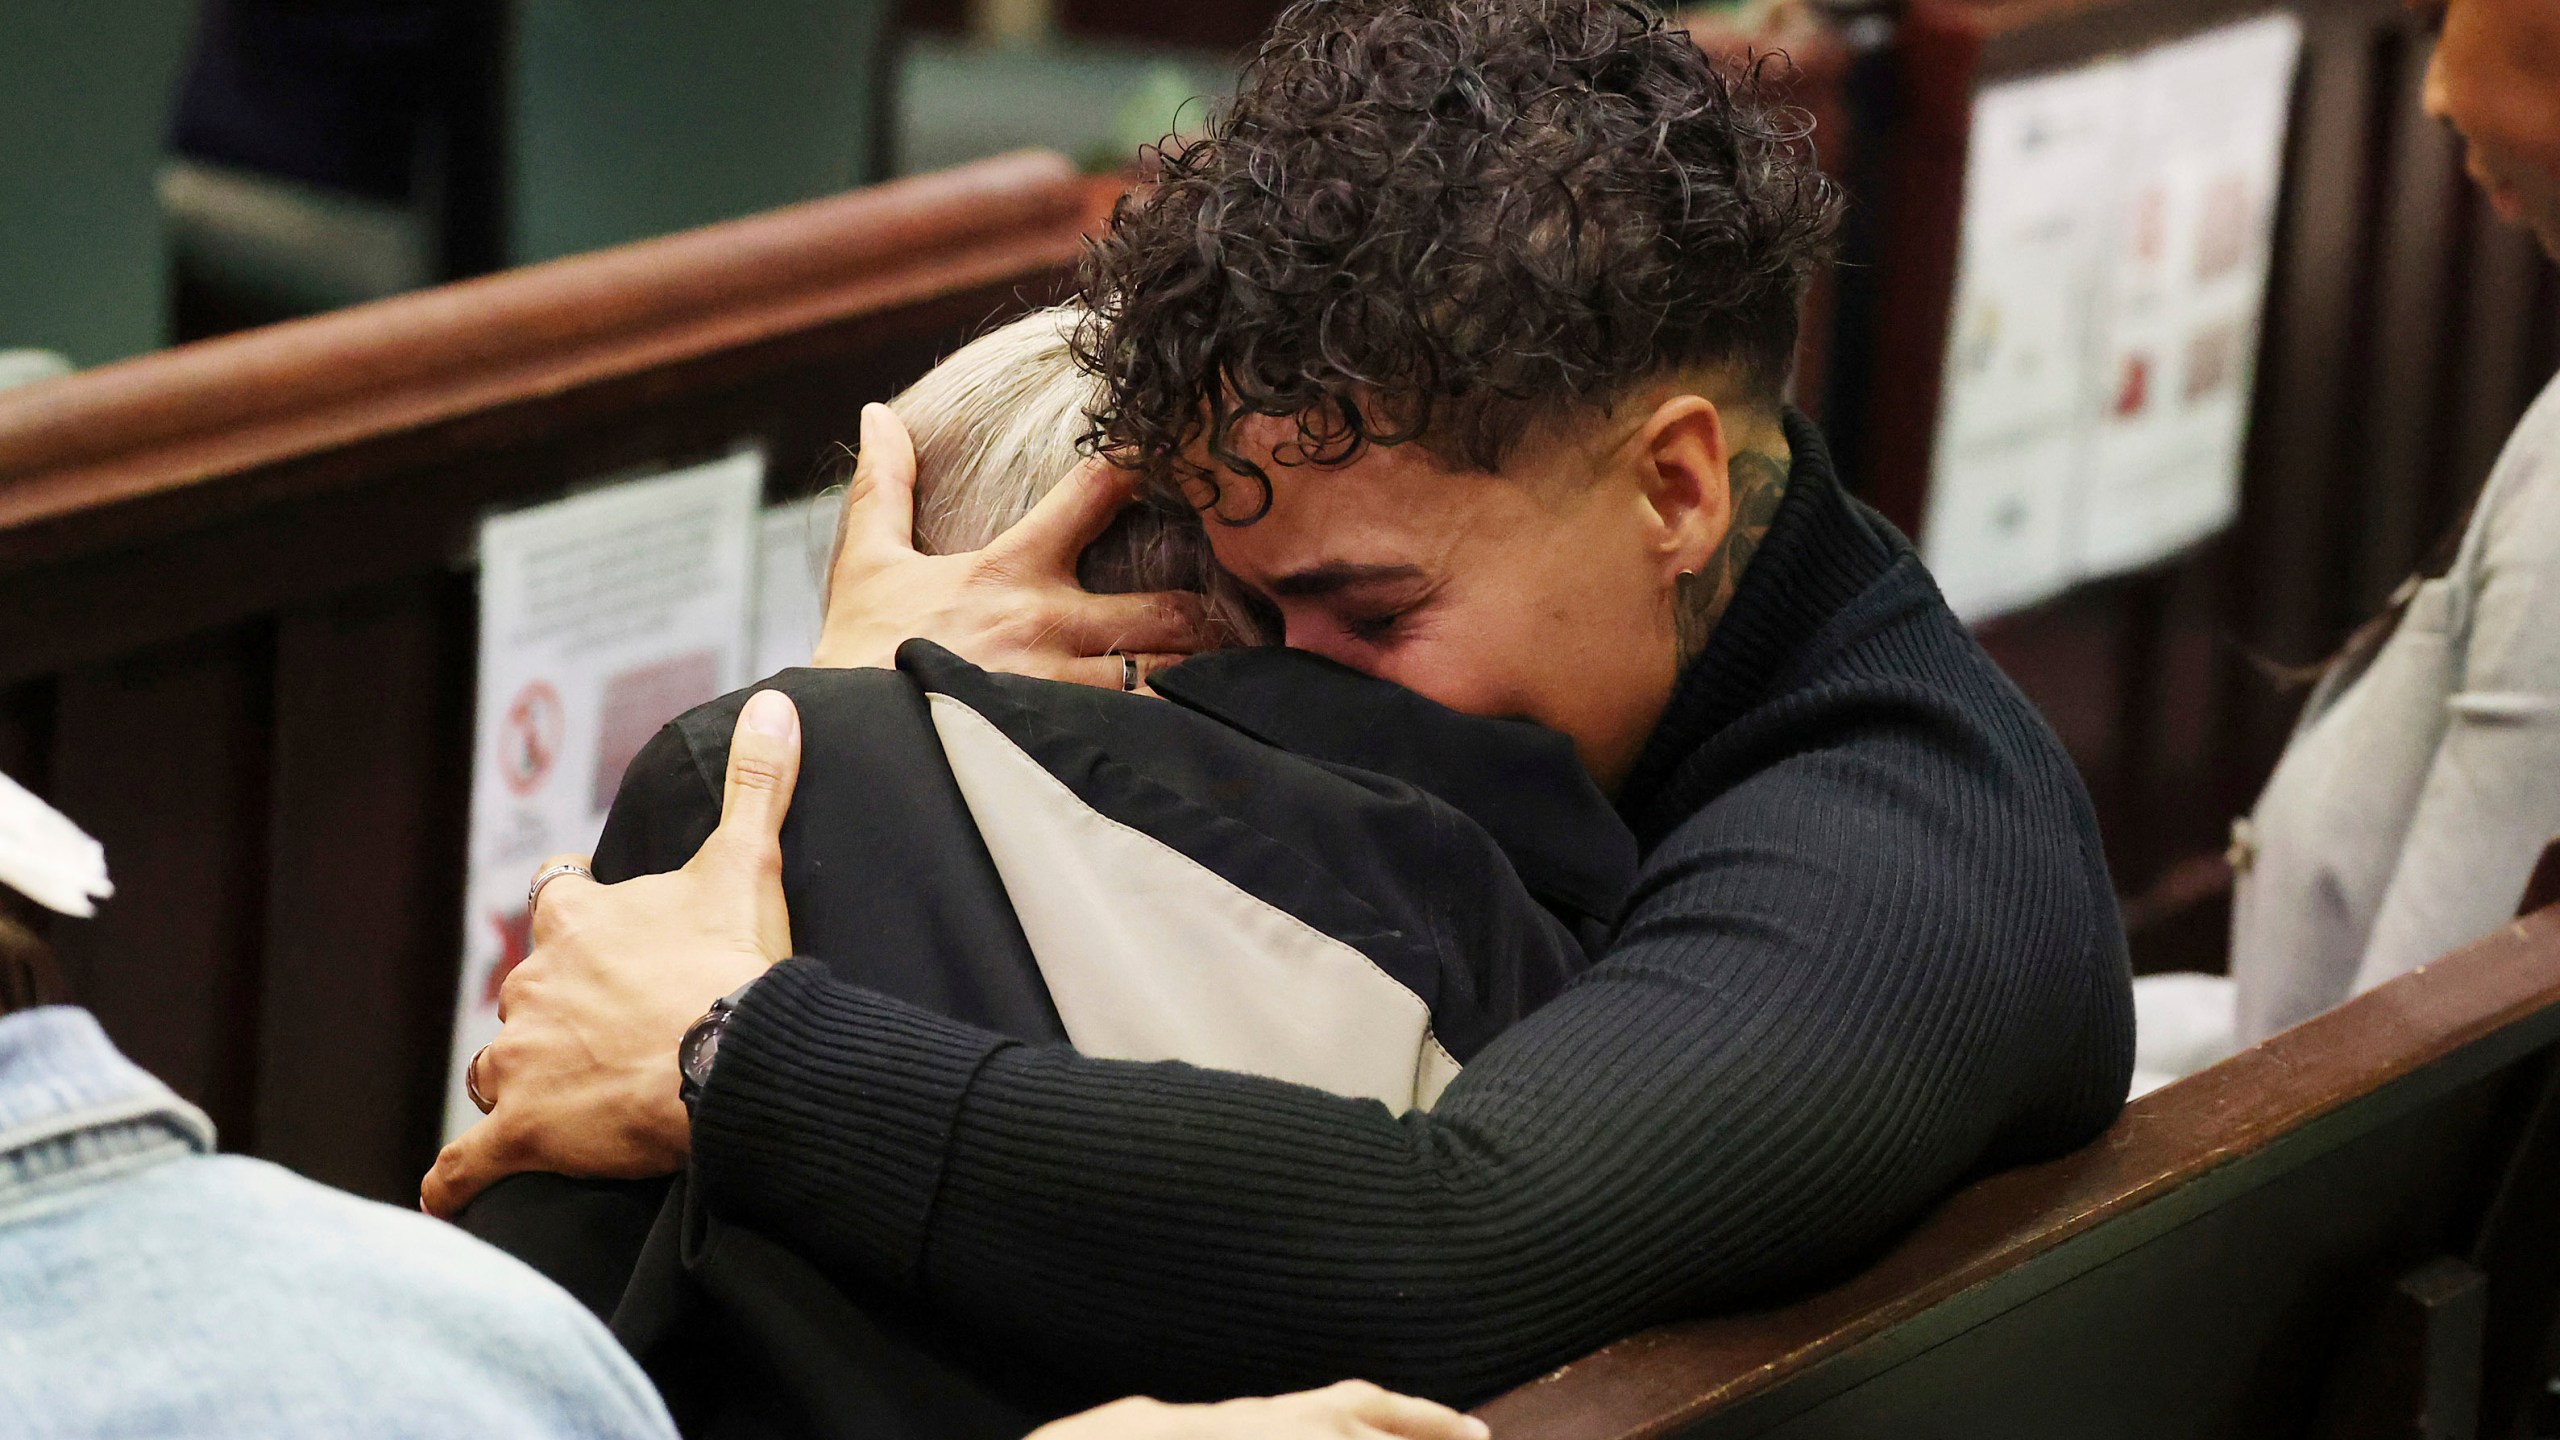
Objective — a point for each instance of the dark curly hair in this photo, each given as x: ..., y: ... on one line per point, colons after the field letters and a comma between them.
x: 1444, y: 221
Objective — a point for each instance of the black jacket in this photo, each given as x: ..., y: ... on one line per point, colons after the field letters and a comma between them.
x: 1294, y: 871
x: 1261, y: 877
x: 1871, y: 951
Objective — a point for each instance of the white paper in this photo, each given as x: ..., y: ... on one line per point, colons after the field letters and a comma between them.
x: 602, y: 617
x: 1998, y: 533
x: 2110, y: 280
x: 2185, y: 286
x: 796, y: 539
x: 46, y: 858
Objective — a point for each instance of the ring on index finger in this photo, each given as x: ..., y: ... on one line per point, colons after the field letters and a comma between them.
x: 533, y: 892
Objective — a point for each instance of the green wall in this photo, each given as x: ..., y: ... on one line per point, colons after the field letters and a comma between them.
x: 632, y: 118
x: 86, y: 91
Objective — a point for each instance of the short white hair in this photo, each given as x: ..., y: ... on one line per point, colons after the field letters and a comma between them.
x: 995, y: 426
x: 999, y: 422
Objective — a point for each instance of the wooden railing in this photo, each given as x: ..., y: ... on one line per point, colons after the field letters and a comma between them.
x: 2222, y: 1262
x: 237, y: 619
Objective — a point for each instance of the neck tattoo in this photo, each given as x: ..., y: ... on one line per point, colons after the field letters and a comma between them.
x: 1759, y: 481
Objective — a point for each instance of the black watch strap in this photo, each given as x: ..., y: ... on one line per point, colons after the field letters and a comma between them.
x: 700, y: 1048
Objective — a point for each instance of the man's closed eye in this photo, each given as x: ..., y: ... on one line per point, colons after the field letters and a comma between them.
x: 1375, y: 629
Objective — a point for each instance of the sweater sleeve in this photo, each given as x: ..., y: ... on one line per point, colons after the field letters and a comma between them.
x: 1832, y: 999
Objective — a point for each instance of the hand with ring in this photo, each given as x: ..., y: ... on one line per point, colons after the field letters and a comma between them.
x: 532, y: 902
x: 1014, y: 606
x: 582, y: 1079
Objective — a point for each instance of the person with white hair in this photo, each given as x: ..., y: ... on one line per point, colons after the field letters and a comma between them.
x: 152, y: 1287
x: 994, y: 426
x: 1290, y: 870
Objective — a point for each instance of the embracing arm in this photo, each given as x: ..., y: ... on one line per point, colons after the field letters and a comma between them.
x: 1781, y: 1063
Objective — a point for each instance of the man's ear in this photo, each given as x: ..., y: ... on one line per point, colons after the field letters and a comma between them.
x: 1680, y: 454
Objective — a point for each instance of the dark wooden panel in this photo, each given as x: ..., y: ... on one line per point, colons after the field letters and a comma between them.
x: 370, y: 791
x: 1921, y: 160
x: 2030, y: 36
x: 2426, y: 1383
x: 26, y: 731
x: 2279, y: 577
x: 163, y: 757
x: 2515, y: 1246
x: 2497, y: 377
x: 1230, y: 25
x: 2291, y: 516
x: 2402, y: 419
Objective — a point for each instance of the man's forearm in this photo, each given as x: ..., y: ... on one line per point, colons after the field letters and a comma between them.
x: 1186, y: 1232
x: 828, y: 1114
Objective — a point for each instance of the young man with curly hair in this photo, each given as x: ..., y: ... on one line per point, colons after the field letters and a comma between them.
x: 1467, y: 325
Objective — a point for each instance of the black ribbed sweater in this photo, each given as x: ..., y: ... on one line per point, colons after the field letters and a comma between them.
x: 1872, y: 952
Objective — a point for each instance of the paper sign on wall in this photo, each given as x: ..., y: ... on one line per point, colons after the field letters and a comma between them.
x: 794, y: 543
x: 2118, y: 224
x: 602, y: 617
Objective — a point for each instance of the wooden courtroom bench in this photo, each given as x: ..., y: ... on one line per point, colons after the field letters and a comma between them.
x: 237, y: 610
x: 2347, y: 1230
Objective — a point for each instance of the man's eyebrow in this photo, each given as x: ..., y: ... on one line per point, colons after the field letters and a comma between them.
x: 1334, y: 576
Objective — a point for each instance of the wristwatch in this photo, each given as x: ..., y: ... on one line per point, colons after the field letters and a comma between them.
x: 701, y: 1045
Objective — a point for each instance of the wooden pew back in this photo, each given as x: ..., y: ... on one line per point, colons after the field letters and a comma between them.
x: 237, y: 618
x: 2287, y: 1243
x: 2406, y: 331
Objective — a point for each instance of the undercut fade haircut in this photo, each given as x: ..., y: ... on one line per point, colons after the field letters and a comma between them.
x: 1447, y: 221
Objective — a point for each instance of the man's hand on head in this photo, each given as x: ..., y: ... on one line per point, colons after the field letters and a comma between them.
x: 582, y: 1079
x: 1014, y: 606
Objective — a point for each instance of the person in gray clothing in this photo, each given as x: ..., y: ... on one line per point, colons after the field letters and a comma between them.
x: 2424, y: 776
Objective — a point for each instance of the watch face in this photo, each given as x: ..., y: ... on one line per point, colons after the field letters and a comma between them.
x: 701, y: 1047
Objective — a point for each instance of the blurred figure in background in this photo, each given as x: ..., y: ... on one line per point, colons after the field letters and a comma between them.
x: 2424, y: 777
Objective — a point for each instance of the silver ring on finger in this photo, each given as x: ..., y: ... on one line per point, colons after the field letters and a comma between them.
x: 533, y: 892
x: 1128, y: 672
x: 471, y: 1081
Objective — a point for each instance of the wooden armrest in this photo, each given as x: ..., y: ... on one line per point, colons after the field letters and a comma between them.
x: 2173, y: 1155
x: 94, y: 459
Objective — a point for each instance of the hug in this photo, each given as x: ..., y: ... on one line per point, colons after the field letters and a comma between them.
x: 1372, y: 822
x: 1375, y: 810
